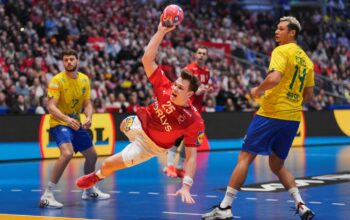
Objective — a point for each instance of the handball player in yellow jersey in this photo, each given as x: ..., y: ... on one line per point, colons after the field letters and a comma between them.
x: 69, y: 93
x: 288, y: 84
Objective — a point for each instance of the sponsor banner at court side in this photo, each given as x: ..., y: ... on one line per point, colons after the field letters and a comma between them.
x: 102, y: 132
x: 306, y: 182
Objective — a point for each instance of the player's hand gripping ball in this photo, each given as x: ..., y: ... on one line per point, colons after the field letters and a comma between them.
x: 172, y: 15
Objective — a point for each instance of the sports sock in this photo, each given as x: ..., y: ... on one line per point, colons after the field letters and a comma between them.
x: 229, y: 197
x: 99, y: 174
x: 50, y: 187
x: 180, y: 163
x: 294, y: 192
x: 171, y: 156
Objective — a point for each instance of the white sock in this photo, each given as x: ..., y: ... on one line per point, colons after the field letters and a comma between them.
x: 229, y: 197
x: 50, y: 187
x: 180, y: 163
x: 171, y: 157
x: 294, y: 192
x: 99, y: 174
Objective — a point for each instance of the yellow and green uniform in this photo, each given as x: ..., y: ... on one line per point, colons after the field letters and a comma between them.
x: 284, y: 101
x: 70, y: 93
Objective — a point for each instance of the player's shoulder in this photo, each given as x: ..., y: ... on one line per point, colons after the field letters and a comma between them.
x: 284, y: 48
x: 58, y: 77
x: 83, y: 76
x: 197, y: 114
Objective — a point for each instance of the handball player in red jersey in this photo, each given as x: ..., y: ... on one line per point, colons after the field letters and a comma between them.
x: 199, y: 69
x: 156, y: 127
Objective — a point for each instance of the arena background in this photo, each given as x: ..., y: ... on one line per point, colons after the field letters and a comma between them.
x: 27, y: 137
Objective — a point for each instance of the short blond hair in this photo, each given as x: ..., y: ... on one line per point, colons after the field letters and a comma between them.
x: 293, y: 24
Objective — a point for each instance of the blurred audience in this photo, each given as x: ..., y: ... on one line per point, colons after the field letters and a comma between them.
x: 110, y: 37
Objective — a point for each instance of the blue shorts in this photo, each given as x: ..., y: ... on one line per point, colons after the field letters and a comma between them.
x: 267, y: 135
x: 80, y: 139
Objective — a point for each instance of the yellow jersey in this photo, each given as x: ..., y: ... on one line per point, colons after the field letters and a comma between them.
x: 284, y: 101
x: 70, y: 93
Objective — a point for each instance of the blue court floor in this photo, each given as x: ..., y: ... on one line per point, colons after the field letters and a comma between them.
x: 144, y: 192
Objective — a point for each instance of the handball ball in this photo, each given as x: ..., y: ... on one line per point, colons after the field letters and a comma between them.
x: 172, y: 15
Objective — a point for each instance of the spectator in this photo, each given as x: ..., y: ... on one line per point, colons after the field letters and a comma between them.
x: 22, y: 87
x: 41, y: 109
x: 98, y: 106
x: 20, y: 106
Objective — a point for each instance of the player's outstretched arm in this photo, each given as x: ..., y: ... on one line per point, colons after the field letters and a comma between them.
x: 190, y: 170
x: 148, y: 59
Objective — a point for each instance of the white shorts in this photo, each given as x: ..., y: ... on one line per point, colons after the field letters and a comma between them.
x: 141, y: 148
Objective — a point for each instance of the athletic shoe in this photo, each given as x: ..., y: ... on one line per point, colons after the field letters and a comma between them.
x: 87, y: 181
x: 94, y: 193
x: 170, y: 171
x: 304, y: 212
x: 48, y: 201
x: 180, y: 173
x: 218, y: 213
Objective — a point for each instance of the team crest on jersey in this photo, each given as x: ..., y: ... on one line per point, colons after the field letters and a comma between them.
x: 200, y: 138
x: 84, y: 90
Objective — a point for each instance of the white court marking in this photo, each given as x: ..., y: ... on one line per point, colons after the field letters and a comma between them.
x: 173, y: 194
x: 189, y: 213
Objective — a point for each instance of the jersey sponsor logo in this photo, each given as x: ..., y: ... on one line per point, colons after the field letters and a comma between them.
x: 200, y: 138
x: 306, y: 182
x: 162, y: 112
x: 102, y: 133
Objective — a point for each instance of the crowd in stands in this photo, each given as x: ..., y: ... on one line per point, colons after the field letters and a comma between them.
x: 110, y: 37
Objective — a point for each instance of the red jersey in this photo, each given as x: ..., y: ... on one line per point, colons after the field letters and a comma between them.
x: 203, y: 76
x: 164, y: 122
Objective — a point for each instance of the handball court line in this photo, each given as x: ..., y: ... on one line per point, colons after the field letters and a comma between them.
x: 189, y: 213
x: 30, y: 217
x: 173, y: 194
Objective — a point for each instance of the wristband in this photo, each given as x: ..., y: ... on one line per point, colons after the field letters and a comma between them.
x: 187, y: 180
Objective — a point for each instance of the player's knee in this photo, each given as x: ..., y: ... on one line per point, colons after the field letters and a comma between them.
x: 122, y: 126
x: 67, y: 155
x: 108, y: 163
x: 275, y: 168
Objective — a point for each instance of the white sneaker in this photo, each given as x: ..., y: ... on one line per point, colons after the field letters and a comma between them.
x: 218, y: 213
x: 304, y: 212
x: 95, y: 193
x: 47, y: 200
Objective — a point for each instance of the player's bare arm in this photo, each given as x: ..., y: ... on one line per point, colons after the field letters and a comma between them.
x: 271, y: 80
x: 190, y: 170
x: 88, y: 113
x: 148, y: 59
x: 55, y: 112
x: 308, y: 94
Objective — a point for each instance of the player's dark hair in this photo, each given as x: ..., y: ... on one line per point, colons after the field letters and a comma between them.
x: 194, y: 82
x: 292, y: 26
x: 70, y: 52
x: 202, y: 47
